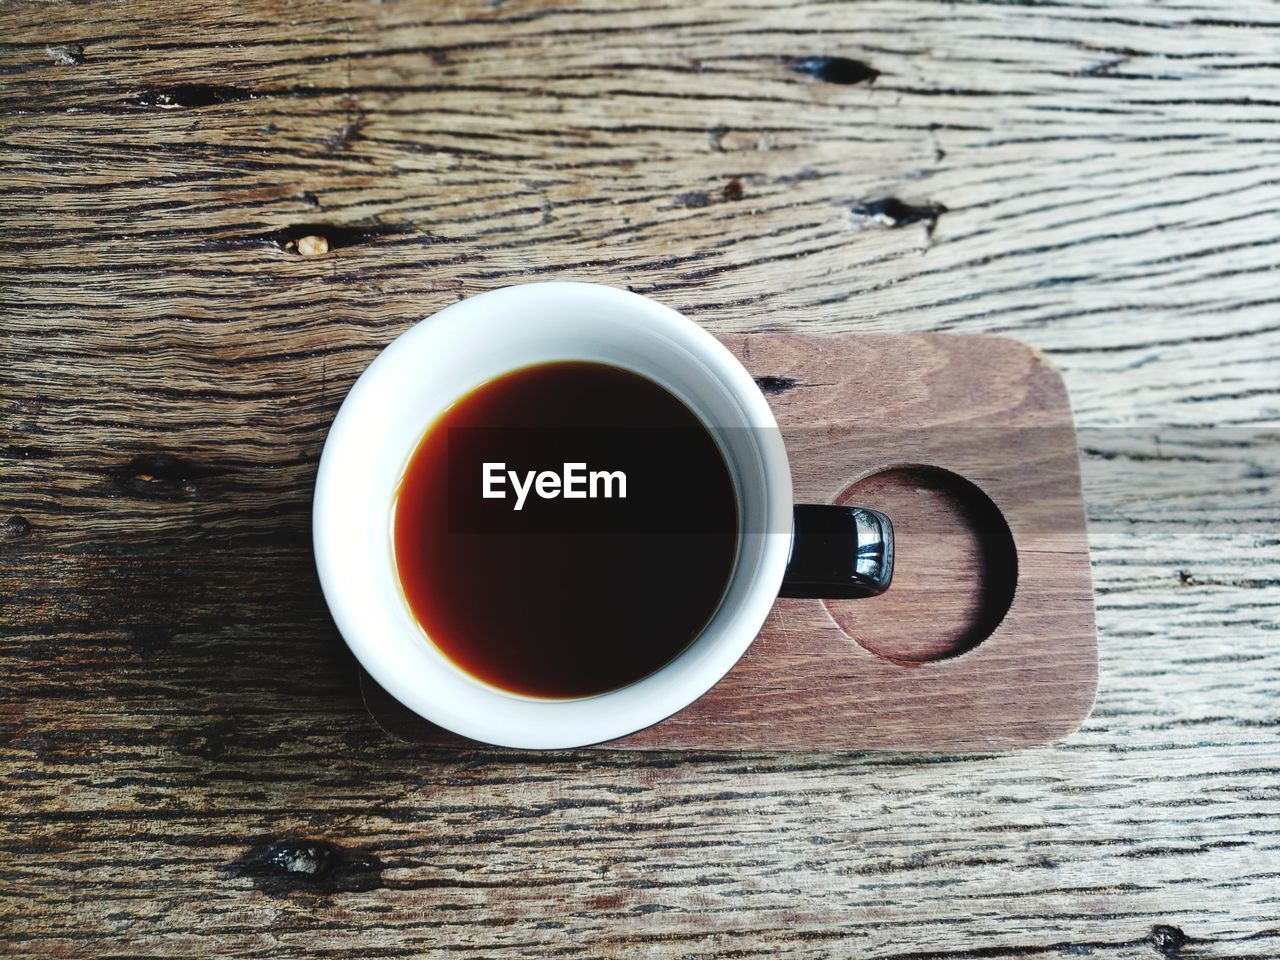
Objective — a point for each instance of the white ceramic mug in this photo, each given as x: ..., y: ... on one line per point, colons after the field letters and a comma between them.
x: 415, y: 379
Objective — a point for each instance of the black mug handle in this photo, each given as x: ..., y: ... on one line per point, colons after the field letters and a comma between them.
x: 838, y: 553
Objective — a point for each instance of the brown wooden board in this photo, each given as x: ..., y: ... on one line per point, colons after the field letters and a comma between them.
x: 968, y: 444
x: 177, y: 712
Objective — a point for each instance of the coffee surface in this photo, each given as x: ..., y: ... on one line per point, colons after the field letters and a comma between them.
x: 609, y: 565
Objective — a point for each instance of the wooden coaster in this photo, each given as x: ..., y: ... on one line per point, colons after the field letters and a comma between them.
x: 986, y: 639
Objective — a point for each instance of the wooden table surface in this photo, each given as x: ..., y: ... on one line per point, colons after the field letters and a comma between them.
x: 186, y: 767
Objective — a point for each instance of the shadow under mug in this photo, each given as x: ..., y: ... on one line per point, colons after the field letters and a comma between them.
x: 783, y: 549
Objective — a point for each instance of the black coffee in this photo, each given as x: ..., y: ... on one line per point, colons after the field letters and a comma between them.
x: 565, y: 529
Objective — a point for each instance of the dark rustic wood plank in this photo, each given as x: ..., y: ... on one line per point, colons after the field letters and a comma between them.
x: 175, y: 699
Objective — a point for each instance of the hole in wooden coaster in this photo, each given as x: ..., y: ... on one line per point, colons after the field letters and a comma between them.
x: 955, y: 567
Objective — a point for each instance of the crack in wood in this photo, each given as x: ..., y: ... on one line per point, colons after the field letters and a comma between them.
x: 695, y: 199
x: 15, y: 528
x: 770, y: 385
x: 66, y: 54
x: 335, y: 236
x: 892, y: 212
x: 160, y: 476
x: 841, y: 70
x: 190, y: 95
x: 1167, y: 940
x: 282, y: 867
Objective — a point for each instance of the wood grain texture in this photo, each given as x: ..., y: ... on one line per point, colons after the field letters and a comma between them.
x: 986, y: 411
x: 1097, y: 180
